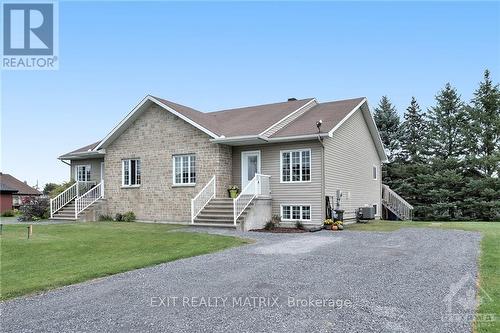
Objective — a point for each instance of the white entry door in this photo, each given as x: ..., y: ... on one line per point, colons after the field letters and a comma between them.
x: 250, y: 165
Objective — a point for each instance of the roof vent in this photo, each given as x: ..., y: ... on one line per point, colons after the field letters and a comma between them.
x: 292, y: 99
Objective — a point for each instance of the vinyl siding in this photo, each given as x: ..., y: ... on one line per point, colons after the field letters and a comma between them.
x: 349, y: 157
x: 307, y: 193
x: 95, y: 168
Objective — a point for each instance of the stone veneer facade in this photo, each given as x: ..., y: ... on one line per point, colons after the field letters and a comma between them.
x: 154, y: 138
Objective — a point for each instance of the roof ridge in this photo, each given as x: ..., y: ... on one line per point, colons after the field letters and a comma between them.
x: 259, y: 105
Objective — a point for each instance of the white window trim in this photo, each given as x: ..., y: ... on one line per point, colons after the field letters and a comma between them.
x: 293, y: 220
x: 376, y: 172
x: 83, y: 165
x: 174, y: 183
x: 130, y: 178
x: 281, y: 166
x: 377, y: 213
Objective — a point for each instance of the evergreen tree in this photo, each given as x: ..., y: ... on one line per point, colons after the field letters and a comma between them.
x: 484, y: 135
x: 448, y: 122
x: 413, y: 134
x: 387, y: 120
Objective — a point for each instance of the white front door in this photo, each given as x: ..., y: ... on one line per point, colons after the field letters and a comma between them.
x: 250, y: 165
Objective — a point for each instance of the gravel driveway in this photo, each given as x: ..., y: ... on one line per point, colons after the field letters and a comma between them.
x: 411, y: 280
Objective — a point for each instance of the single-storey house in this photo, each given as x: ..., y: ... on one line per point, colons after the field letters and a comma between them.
x: 6, y: 193
x: 23, y: 191
x: 296, y: 159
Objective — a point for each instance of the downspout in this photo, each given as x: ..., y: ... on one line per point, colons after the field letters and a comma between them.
x: 323, y: 204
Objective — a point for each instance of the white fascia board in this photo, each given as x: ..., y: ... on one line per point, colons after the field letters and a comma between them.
x: 371, y: 126
x: 186, y: 119
x: 375, y: 134
x: 138, y: 109
x: 122, y: 122
x: 288, y: 116
x: 330, y: 134
x: 298, y: 137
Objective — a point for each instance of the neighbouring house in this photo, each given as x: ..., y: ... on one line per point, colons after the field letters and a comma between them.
x: 6, y: 193
x: 23, y: 191
x: 297, y: 159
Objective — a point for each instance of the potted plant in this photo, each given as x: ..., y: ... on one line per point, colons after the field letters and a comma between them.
x: 327, y: 224
x: 338, y: 224
x: 233, y: 191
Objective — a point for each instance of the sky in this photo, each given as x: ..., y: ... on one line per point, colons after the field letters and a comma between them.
x: 213, y: 56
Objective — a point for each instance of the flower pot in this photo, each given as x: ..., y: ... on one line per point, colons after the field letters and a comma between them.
x: 340, y: 226
x: 233, y: 193
x: 327, y: 226
x: 334, y: 227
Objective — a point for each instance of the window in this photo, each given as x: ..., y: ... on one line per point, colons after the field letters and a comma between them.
x: 184, y: 170
x: 375, y: 209
x: 131, y: 172
x: 374, y: 172
x: 82, y: 173
x: 296, y: 166
x: 295, y: 213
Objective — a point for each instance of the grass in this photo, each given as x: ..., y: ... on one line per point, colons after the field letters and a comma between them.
x: 489, y: 266
x: 59, y: 255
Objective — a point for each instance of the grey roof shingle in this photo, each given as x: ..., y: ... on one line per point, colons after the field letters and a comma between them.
x: 253, y: 120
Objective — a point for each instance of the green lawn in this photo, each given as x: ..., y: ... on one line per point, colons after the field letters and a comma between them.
x: 489, y: 266
x: 63, y: 254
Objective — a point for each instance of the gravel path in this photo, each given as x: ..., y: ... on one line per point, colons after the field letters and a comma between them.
x: 316, y: 282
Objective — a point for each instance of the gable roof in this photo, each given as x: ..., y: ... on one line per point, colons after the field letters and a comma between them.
x: 15, y: 184
x: 293, y: 119
x: 330, y: 113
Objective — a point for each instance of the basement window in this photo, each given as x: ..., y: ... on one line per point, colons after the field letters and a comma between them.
x: 184, y: 170
x: 131, y: 172
x: 295, y: 213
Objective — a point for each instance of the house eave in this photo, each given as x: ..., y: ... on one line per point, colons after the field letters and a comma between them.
x: 257, y: 139
x: 83, y: 155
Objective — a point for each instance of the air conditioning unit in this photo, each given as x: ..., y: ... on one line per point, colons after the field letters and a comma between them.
x: 366, y: 213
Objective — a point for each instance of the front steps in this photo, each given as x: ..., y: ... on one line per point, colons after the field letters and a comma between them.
x: 219, y: 213
x: 65, y: 213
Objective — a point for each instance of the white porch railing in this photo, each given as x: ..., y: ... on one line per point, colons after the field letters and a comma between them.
x: 396, y: 204
x: 63, y: 198
x: 201, y: 199
x: 259, y: 186
x: 88, y: 198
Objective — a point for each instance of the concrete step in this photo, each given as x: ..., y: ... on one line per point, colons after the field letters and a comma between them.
x: 214, y: 218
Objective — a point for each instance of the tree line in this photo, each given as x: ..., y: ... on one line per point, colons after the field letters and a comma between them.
x: 445, y: 161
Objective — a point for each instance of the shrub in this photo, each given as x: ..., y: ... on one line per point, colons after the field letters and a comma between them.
x: 9, y: 213
x: 299, y: 225
x: 118, y: 217
x: 128, y: 217
x: 34, y: 209
x: 269, y: 225
x: 58, y: 189
x: 105, y: 217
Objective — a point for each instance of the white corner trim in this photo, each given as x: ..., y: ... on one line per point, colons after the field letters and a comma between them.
x: 138, y: 108
x: 330, y: 134
x: 288, y: 116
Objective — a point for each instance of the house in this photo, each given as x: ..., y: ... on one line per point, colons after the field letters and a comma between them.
x: 6, y: 193
x: 23, y: 190
x: 168, y: 162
